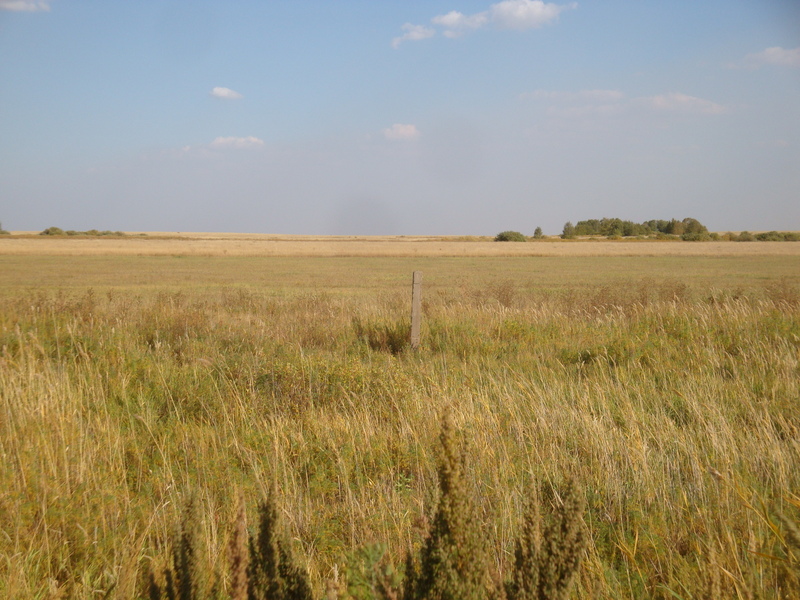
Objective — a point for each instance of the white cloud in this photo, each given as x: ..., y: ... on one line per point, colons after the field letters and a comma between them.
x: 398, y: 131
x: 413, y: 33
x: 24, y: 5
x: 237, y: 143
x: 526, y: 14
x: 774, y: 56
x: 456, y: 23
x: 508, y: 14
x: 225, y: 93
x: 677, y: 102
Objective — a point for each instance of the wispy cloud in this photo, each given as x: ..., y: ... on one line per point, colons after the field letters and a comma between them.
x: 677, y: 102
x: 237, y: 143
x: 24, y: 5
x: 413, y: 33
x: 401, y: 132
x: 776, y: 55
x: 225, y: 93
x: 581, y: 96
x: 588, y: 103
x: 508, y: 14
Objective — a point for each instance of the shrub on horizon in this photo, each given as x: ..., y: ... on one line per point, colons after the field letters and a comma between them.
x: 696, y: 237
x: 510, y: 236
x: 52, y: 231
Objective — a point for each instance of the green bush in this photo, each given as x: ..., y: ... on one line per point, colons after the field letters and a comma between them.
x: 771, y: 236
x: 52, y: 231
x: 3, y: 231
x: 697, y: 236
x: 510, y: 236
x: 744, y: 236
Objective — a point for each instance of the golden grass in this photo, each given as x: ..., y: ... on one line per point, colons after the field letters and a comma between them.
x: 667, y: 385
x: 206, y: 244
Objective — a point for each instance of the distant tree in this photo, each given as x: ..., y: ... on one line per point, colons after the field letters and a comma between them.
x: 537, y: 233
x: 569, y: 231
x: 611, y: 227
x: 693, y: 226
x: 588, y: 227
x: 675, y: 227
x: 510, y: 236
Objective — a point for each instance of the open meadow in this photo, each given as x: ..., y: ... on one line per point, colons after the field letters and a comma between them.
x: 663, y: 378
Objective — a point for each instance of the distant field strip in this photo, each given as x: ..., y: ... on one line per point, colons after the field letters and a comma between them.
x: 253, y: 245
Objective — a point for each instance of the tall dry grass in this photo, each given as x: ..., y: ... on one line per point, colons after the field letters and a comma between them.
x: 677, y: 410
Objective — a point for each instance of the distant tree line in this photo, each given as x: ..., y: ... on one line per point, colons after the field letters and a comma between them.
x: 688, y: 229
x: 768, y: 236
x: 90, y: 232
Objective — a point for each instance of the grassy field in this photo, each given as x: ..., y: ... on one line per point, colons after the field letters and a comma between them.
x: 210, y: 245
x: 667, y: 386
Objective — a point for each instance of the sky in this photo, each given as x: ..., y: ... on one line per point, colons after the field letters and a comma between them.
x: 376, y: 117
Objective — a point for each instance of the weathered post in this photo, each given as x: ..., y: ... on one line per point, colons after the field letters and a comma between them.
x: 416, y: 308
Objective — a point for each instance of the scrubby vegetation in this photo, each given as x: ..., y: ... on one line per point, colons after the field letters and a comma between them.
x: 510, y: 236
x: 769, y: 236
x: 673, y: 406
x: 89, y: 233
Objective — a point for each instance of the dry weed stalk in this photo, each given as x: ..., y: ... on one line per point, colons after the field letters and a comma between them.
x: 272, y: 573
x: 453, y: 564
x: 546, y: 561
x: 185, y: 580
x: 238, y: 554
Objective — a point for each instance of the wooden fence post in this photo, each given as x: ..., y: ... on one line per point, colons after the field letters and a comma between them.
x: 416, y: 308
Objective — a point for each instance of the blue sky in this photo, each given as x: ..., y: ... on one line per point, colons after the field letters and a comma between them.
x: 389, y: 117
